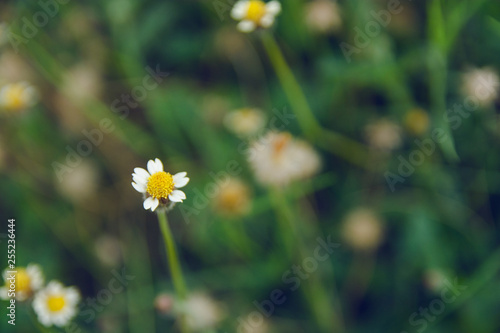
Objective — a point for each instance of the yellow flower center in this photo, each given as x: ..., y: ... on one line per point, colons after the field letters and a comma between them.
x: 23, y: 281
x: 281, y: 142
x: 160, y: 185
x: 256, y: 10
x: 56, y: 303
x: 14, y: 97
x: 233, y: 200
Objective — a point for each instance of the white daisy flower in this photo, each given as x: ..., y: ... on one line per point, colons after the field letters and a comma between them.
x: 158, y: 186
x: 277, y: 159
x: 27, y: 281
x: 245, y: 122
x: 17, y: 96
x: 362, y: 229
x: 202, y: 312
x: 383, y: 135
x: 233, y: 198
x: 56, y: 304
x: 481, y: 83
x: 254, y: 14
x: 323, y: 16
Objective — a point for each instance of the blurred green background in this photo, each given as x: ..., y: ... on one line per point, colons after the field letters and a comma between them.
x: 401, y: 243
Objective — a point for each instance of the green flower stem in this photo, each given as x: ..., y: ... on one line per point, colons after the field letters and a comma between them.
x: 292, y: 89
x: 437, y: 62
x: 336, y: 143
x: 314, y: 291
x: 173, y: 263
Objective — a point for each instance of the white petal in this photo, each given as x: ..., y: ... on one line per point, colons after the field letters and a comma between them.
x: 142, y: 172
x: 151, y: 167
x: 177, y: 196
x: 239, y: 10
x: 179, y: 175
x: 148, y: 203
x: 141, y: 188
x: 139, y: 179
x: 273, y: 7
x: 156, y: 202
x: 181, y: 182
x: 4, y: 294
x: 267, y: 20
x: 159, y: 165
x: 246, y: 26
x: 180, y: 179
x: 72, y: 295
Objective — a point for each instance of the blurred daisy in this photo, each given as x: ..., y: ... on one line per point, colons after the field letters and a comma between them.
x: 202, y: 312
x: 434, y: 279
x: 277, y: 159
x: 383, y: 135
x: 245, y: 122
x: 362, y: 229
x: 481, y: 83
x: 323, y: 16
x: 108, y: 250
x: 158, y: 186
x: 81, y: 183
x: 254, y: 14
x: 164, y: 303
x: 417, y: 121
x: 17, y: 96
x: 233, y: 199
x: 56, y: 304
x: 28, y: 279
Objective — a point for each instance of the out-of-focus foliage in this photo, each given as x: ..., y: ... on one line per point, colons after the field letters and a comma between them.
x: 116, y: 83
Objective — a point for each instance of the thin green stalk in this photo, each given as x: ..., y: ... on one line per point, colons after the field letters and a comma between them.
x: 336, y: 143
x: 173, y: 263
x: 437, y: 76
x: 292, y: 89
x: 140, y: 318
x: 314, y: 291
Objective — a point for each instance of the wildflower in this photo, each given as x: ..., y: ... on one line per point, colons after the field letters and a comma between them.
x: 417, y: 121
x: 108, y: 250
x: 254, y: 14
x: 56, y: 304
x: 158, y: 186
x: 323, y: 16
x: 164, y: 303
x: 80, y: 183
x: 202, y: 312
x: 434, y: 279
x: 278, y: 158
x: 28, y: 279
x: 383, y: 135
x: 362, y: 229
x: 481, y: 83
x: 17, y: 96
x: 245, y: 122
x: 233, y: 198
x: 82, y: 82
